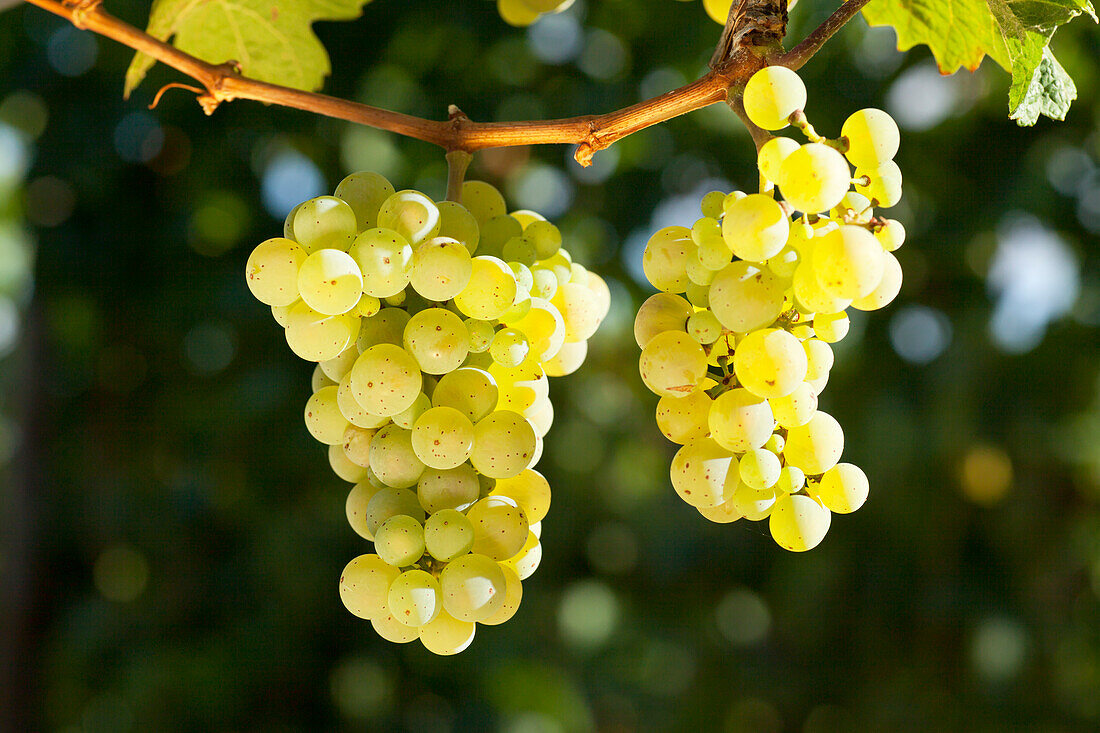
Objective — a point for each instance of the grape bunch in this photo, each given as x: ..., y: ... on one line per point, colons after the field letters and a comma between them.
x: 737, y: 344
x: 522, y: 13
x: 434, y: 326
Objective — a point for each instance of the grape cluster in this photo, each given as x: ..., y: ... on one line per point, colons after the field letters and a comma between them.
x: 435, y: 326
x: 522, y: 13
x: 737, y: 344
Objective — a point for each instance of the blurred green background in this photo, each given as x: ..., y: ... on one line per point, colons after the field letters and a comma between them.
x: 171, y: 537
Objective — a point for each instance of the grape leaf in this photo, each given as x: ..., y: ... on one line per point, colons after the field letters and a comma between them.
x: 1014, y: 33
x: 271, y: 39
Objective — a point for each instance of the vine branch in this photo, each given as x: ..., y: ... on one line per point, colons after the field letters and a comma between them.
x: 760, y: 22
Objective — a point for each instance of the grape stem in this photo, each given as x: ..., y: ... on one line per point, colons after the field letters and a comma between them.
x: 749, y: 40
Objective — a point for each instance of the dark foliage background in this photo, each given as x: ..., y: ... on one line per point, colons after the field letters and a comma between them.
x: 171, y: 538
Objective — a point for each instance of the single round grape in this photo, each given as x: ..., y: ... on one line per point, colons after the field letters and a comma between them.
x: 365, y: 192
x: 519, y: 249
x: 457, y: 223
x: 342, y: 466
x: 448, y: 534
x: 470, y: 390
x: 798, y: 523
x: 816, y: 446
x: 414, y: 598
x: 411, y: 214
x: 819, y: 358
x: 324, y: 420
x: 797, y: 408
x: 525, y: 280
x: 454, y: 488
x: 814, y: 178
x: 356, y: 508
x: 481, y: 335
x: 791, y: 479
x: 831, y: 327
x: 446, y: 635
x: 848, y: 262
x: 513, y: 594
x: 352, y: 410
x: 325, y: 222
x: 329, y: 282
x: 740, y: 421
x: 482, y: 200
x: 525, y: 562
x: 744, y: 297
x: 281, y: 313
x: 545, y: 283
x: 810, y: 294
x: 272, y: 271
x: 356, y: 444
x: 473, y: 587
x: 385, y: 379
x: 500, y: 527
x: 755, y: 227
x: 503, y: 444
x: 772, y: 154
x: 399, y: 541
x: 660, y: 313
x: 315, y: 336
x: 387, y: 326
x: 337, y: 367
x: 408, y: 417
x: 497, y: 232
x: 440, y: 268
x: 388, y: 503
x: 509, y: 347
x: 393, y: 459
x: 772, y: 95
x: 891, y: 235
x: 684, y: 419
x: 544, y: 237
x: 580, y: 309
x: 696, y: 271
x: 530, y: 490
x: 569, y: 359
x: 712, y: 250
x: 752, y: 504
x: 873, y: 137
x: 443, y: 438
x: 437, y: 339
x: 884, y: 186
x: 759, y: 468
x: 886, y: 290
x: 383, y: 256
x: 770, y: 362
x: 365, y: 584
x: 712, y: 204
x: 664, y: 258
x: 672, y: 364
x: 842, y: 489
x: 699, y: 472
x: 724, y: 513
x: 392, y: 630
x: 490, y: 292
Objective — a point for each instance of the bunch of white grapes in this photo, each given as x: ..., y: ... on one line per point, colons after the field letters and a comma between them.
x: 737, y: 344
x: 522, y: 13
x: 434, y: 326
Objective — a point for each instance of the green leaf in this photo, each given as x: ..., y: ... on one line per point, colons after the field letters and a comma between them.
x: 1014, y: 33
x: 271, y: 39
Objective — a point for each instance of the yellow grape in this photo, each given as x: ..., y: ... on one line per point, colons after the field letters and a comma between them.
x: 886, y: 290
x: 848, y: 262
x: 385, y: 379
x: 740, y: 421
x: 665, y: 258
x: 772, y: 154
x: 843, y: 488
x: 772, y: 95
x: 744, y: 297
x: 365, y: 584
x: 684, y: 419
x: 699, y: 472
x: 272, y: 271
x: 755, y: 227
x: 816, y: 446
x: 814, y: 178
x: 770, y: 362
x: 672, y: 364
x: 873, y: 137
x: 799, y: 523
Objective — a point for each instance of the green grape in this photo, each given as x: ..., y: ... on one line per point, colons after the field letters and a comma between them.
x: 315, y: 336
x: 848, y: 262
x: 411, y: 214
x: 500, y: 528
x: 446, y: 635
x: 798, y: 523
x: 775, y: 443
x: 873, y: 137
x: 324, y: 420
x: 356, y: 508
x: 544, y: 327
x: 698, y: 295
x: 697, y: 273
x: 281, y: 313
x: 272, y: 271
x: 772, y: 154
x: 568, y: 359
x: 440, y: 268
x: 526, y: 217
x: 784, y: 264
x: 842, y: 489
x: 580, y: 310
x: 816, y: 446
x: 473, y: 587
x: 383, y: 257
x: 448, y: 534
x: 392, y: 630
x: 288, y: 224
x: 724, y: 513
x: 665, y: 257
x: 772, y: 95
x: 503, y: 444
x: 470, y: 390
x: 886, y: 290
x: 329, y: 282
x: 481, y: 334
x: 770, y: 362
x: 699, y: 472
x: 713, y: 204
x: 744, y: 297
x: 408, y: 417
x: 385, y: 379
x: 545, y: 283
x: 497, y: 232
x: 455, y: 488
x: 759, y: 468
x: 393, y: 459
x: 368, y: 306
x: 530, y: 490
x: 399, y: 541
x: 658, y: 314
x: 525, y: 280
x: 795, y: 409
x: 814, y: 178
x: 338, y: 366
x: 831, y: 327
x: 364, y: 585
x: 712, y: 251
x: 390, y: 502
x: 684, y: 419
x: 352, y: 410
x: 343, y: 467
x: 672, y: 364
x: 415, y: 598
x: 545, y: 237
x: 482, y: 200
x: 437, y: 339
x: 519, y: 249
x: 541, y: 416
x: 755, y: 227
x: 791, y: 479
x: 443, y: 438
x: 356, y: 445
x: 752, y: 504
x: 819, y: 358
x: 509, y: 347
x: 809, y: 293
x: 490, y: 292
x: 387, y: 326
x: 525, y: 562
x: 365, y: 192
x: 325, y: 222
x: 704, y: 327
x: 318, y: 379
x: 457, y: 223
x: 891, y: 235
x: 884, y: 186
x: 740, y: 421
x: 513, y: 594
